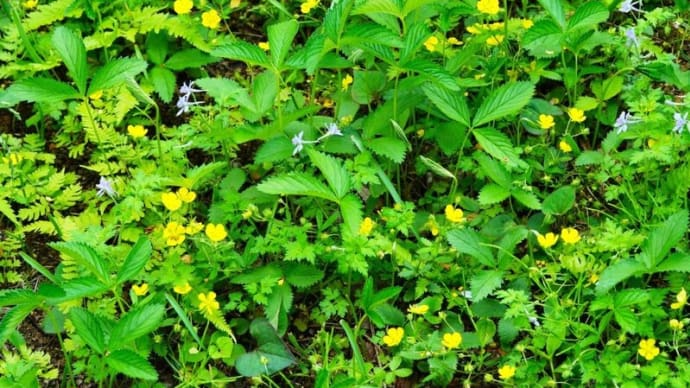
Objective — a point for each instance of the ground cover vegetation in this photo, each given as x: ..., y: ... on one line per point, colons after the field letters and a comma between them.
x: 344, y: 193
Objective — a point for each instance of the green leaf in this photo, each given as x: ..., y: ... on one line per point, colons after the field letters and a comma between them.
x: 616, y: 273
x: 116, y: 72
x: 39, y: 267
x: 410, y: 6
x: 85, y: 256
x: 543, y: 39
x: 335, y: 19
x: 296, y: 183
x: 469, y: 242
x: 494, y: 170
x: 7, y: 211
x: 555, y: 9
x: 609, y: 88
x: 73, y: 53
x: 413, y: 40
x: 437, y: 168
x: 13, y: 297
x: 163, y: 82
x: 390, y: 147
x: 277, y: 149
x: 88, y: 327
x: 136, y: 259
x: 182, y: 314
x: 663, y: 238
x: 280, y: 36
x: 630, y: 296
x: 157, y: 47
x: 492, y: 193
x: 432, y: 72
x: 271, y: 355
x: 370, y: 33
x: 588, y: 15
x: 486, y: 329
x: 333, y: 170
x: 136, y: 323
x: 131, y: 364
x: 41, y: 90
x: 13, y: 318
x: 265, y: 88
x: 188, y: 59
x: 244, y: 52
x: 626, y: 319
x: 452, y: 104
x: 676, y: 262
x: 279, y: 303
x: 225, y: 91
x: 526, y: 198
x: 351, y: 210
x: 484, y: 283
x: 302, y: 275
x: 589, y: 158
x: 78, y: 288
x: 560, y: 201
x: 497, y: 145
x: 504, y: 101
x: 389, y: 7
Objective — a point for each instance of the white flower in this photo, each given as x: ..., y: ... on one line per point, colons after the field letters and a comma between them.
x: 183, y: 104
x: 105, y: 187
x: 298, y: 142
x: 187, y: 89
x: 681, y: 121
x: 631, y: 38
x: 331, y: 130
x: 628, y: 6
x: 623, y: 121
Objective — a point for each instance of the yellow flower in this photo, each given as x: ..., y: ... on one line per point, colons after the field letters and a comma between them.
x: 96, y: 95
x: 527, y: 24
x: 183, y: 289
x: 347, y: 81
x: 454, y: 41
x: 171, y: 201
x: 366, y: 226
x: 648, y: 349
x: 29, y: 4
x: 452, y: 340
x: 136, y: 131
x: 570, y: 235
x: 419, y: 309
x: 593, y: 278
x: 681, y: 300
x: 216, y: 232
x: 506, y: 371
x: 393, y: 336
x: 140, y: 290
x: 234, y: 3
x: 264, y: 46
x: 308, y: 5
x: 489, y: 7
x: 676, y: 324
x: 494, y: 40
x: 565, y: 147
x: 210, y: 19
x: 651, y: 143
x: 208, y: 303
x: 475, y: 29
x: 546, y: 121
x: 186, y: 195
x: 453, y: 214
x: 547, y: 241
x: 12, y: 159
x: 194, y: 227
x: 182, y: 7
x: 576, y: 115
x: 173, y: 234
x: 431, y: 43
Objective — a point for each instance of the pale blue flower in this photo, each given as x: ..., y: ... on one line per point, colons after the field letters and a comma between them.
x: 105, y: 187
x: 331, y: 130
x: 183, y: 104
x: 681, y: 122
x: 631, y: 38
x: 187, y: 88
x: 298, y: 142
x: 628, y: 6
x: 622, y: 122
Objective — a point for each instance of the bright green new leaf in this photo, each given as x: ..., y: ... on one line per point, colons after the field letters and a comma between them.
x: 497, y: 145
x: 663, y: 238
x: 526, y: 198
x: 116, y: 72
x: 131, y: 364
x: 389, y: 7
x: 543, y: 39
x: 13, y: 318
x: 484, y: 283
x: 452, y: 104
x: 242, y: 51
x: 351, y: 210
x: 588, y: 15
x: 504, y: 101
x: 135, y: 323
x: 85, y: 256
x: 390, y: 147
x: 333, y: 170
x: 188, y: 59
x: 469, y: 242
x: 135, y: 261
x: 88, y: 327
x: 41, y: 90
x: 555, y: 10
x: 15, y: 296
x: 297, y: 183
x: 163, y: 82
x: 73, y: 53
x: 492, y: 194
x: 560, y: 201
x: 616, y: 273
x: 280, y: 36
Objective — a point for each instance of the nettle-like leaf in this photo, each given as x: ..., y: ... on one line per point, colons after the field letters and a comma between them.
x: 242, y: 51
x: 302, y: 275
x: 135, y: 261
x: 390, y: 147
x: 469, y: 242
x: 297, y: 183
x: 588, y: 15
x: 131, y: 364
x: 498, y: 145
x: 13, y: 318
x: 492, y: 194
x: 351, y: 210
x: 85, y: 256
x: 555, y: 10
x: 73, y: 53
x: 526, y: 198
x: 116, y: 72
x: 40, y: 90
x: 543, y: 39
x: 136, y: 323
x: 451, y: 103
x: 88, y: 327
x: 616, y: 273
x: 663, y: 238
x: 560, y: 201
x: 484, y: 283
x: 333, y: 170
x: 504, y: 101
x: 280, y: 36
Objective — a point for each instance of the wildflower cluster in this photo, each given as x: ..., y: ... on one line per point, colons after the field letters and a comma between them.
x: 186, y: 92
x: 298, y: 140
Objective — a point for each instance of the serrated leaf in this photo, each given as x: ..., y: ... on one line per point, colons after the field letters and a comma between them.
x: 527, y: 198
x: 73, y: 53
x: 85, y: 256
x: 136, y: 260
x: 676, y: 262
x: 370, y: 33
x: 413, y: 40
x: 265, y: 89
x: 663, y: 238
x: 616, y: 273
x: 560, y: 201
x: 452, y: 104
x: 276, y: 149
x: 7, y: 211
x: 13, y: 318
x: 492, y: 193
x: 543, y: 39
x: 79, y: 288
x: 116, y: 72
x: 484, y: 283
x: 504, y: 101
x: 131, y: 364
x: 588, y: 15
x: 280, y: 36
x: 626, y: 319
x: 225, y: 91
x: 494, y: 170
x: 136, y: 323
x: 302, y: 275
x: 555, y: 9
x: 497, y: 145
x: 242, y: 51
x: 469, y: 242
x: 163, y: 82
x: 390, y: 147
x: 333, y: 170
x: 351, y: 210
x: 88, y: 327
x: 41, y: 90
x: 630, y: 296
x: 388, y: 7
x: 296, y: 183
x: 587, y: 158
x: 432, y: 72
x: 188, y: 59
x: 13, y: 297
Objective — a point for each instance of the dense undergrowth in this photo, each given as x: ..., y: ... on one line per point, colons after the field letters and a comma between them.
x: 348, y: 193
